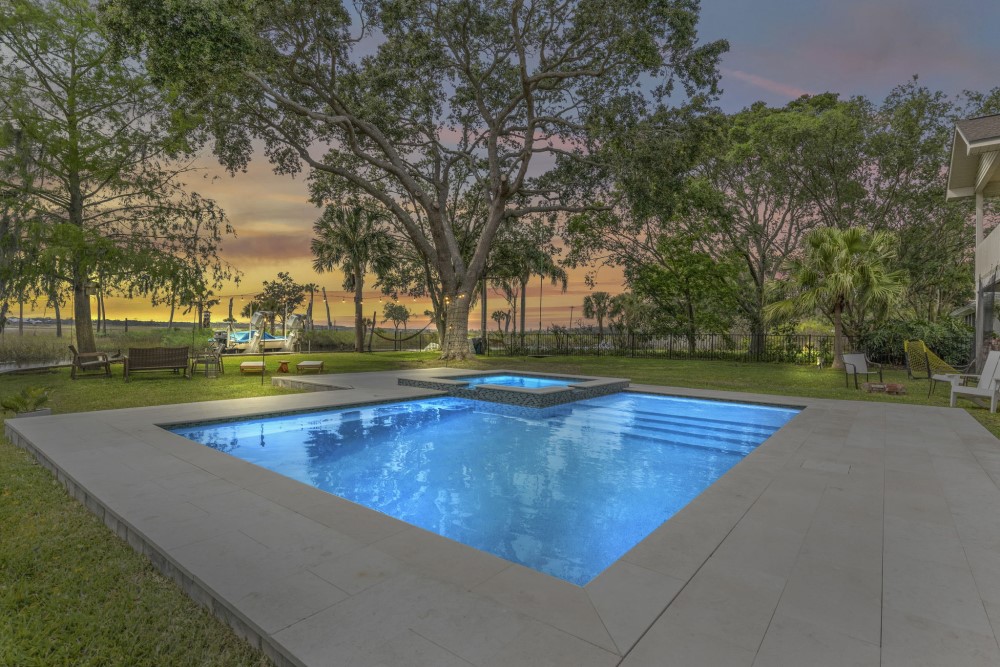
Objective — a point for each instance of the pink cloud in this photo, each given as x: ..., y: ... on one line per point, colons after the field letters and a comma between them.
x: 766, y: 84
x: 859, y: 47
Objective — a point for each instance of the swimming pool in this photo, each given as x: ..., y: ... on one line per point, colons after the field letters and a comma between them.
x: 524, y: 381
x: 566, y: 492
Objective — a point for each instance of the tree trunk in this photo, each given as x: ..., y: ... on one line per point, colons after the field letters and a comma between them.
x: 483, y: 289
x: 55, y: 304
x: 757, y: 339
x: 359, y: 316
x: 691, y: 330
x: 524, y: 307
x: 329, y: 320
x: 838, y: 338
x: 82, y: 317
x: 20, y: 316
x: 513, y: 320
x: 81, y: 300
x: 456, y: 338
x: 102, y: 323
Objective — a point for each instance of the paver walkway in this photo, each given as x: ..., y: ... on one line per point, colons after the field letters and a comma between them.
x: 860, y: 534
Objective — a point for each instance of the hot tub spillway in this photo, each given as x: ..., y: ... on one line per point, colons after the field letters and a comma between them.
x: 571, y: 388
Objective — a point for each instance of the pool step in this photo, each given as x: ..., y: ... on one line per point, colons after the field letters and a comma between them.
x: 674, y: 414
x: 667, y: 436
x: 735, y: 434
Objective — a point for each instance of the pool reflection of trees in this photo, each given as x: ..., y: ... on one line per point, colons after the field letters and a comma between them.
x: 503, y: 495
x: 573, y: 487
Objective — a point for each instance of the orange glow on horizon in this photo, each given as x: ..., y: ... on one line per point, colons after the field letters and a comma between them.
x: 273, y: 218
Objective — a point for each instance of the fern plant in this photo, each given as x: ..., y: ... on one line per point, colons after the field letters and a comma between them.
x: 28, y: 399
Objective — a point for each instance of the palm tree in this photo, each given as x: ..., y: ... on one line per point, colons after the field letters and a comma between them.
x: 629, y: 313
x: 520, y: 253
x: 842, y: 272
x: 543, y: 265
x: 597, y: 306
x: 311, y: 288
x: 329, y: 321
x: 356, y: 242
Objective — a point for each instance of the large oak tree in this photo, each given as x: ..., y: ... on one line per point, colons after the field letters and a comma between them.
x: 412, y: 103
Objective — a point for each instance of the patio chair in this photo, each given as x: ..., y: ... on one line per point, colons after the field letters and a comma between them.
x: 986, y: 383
x: 858, y: 364
x: 921, y: 363
x: 84, y: 362
x: 210, y: 359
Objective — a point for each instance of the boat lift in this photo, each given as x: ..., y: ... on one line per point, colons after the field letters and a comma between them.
x: 293, y: 329
x: 258, y: 325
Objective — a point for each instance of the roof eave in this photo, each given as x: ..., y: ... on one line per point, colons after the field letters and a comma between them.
x: 956, y: 155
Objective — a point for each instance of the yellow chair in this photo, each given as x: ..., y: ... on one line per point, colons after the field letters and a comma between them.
x: 922, y: 363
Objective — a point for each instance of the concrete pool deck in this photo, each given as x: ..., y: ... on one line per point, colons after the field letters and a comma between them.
x: 861, y: 533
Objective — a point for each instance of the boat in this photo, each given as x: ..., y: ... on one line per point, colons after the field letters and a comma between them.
x: 240, y: 341
x: 258, y: 340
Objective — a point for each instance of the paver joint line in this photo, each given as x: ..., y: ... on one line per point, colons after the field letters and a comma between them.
x: 696, y: 572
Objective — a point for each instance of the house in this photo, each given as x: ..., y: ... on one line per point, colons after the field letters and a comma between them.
x: 967, y: 314
x: 975, y: 172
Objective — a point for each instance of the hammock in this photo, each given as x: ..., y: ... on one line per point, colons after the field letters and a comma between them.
x: 400, y: 340
x: 921, y: 363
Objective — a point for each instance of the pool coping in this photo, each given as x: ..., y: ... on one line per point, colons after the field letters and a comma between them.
x: 307, y: 575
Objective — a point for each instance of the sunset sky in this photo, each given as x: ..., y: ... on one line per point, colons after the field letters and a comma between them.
x: 778, y: 51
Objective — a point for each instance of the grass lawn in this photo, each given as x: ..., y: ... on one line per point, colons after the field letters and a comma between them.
x: 72, y: 593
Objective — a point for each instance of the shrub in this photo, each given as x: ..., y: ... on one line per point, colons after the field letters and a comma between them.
x: 155, y: 337
x: 27, y: 350
x: 340, y: 340
x: 950, y: 339
x: 28, y: 399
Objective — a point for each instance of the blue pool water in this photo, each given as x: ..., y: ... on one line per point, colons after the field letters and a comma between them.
x: 566, y: 492
x: 526, y: 381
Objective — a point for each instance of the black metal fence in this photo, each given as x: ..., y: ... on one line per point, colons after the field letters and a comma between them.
x: 803, y: 349
x: 799, y: 349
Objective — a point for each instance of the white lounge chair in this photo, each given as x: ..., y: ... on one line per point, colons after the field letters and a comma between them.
x: 986, y: 383
x: 858, y: 364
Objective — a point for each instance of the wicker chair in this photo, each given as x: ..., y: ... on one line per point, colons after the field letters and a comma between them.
x: 156, y: 359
